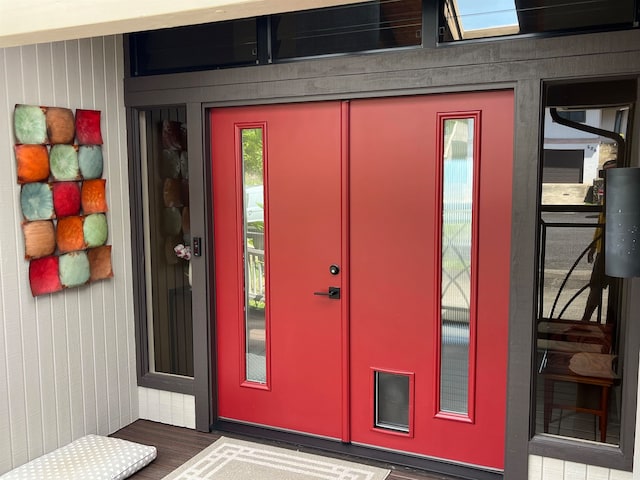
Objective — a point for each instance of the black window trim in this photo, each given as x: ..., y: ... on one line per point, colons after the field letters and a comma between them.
x: 546, y: 445
x: 146, y: 378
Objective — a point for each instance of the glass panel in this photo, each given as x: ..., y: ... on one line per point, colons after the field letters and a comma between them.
x: 578, y: 381
x: 167, y: 241
x: 347, y: 28
x: 195, y: 47
x: 392, y: 401
x: 255, y: 265
x: 468, y: 19
x: 457, y: 204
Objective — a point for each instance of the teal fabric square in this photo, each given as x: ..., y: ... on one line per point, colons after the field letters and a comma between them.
x: 74, y: 269
x: 95, y: 230
x: 36, y: 201
x: 63, y: 161
x: 90, y: 160
x: 30, y: 124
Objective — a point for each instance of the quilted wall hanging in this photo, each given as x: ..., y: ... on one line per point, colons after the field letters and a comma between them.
x: 62, y: 197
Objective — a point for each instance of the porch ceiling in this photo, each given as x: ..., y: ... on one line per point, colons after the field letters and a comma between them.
x: 25, y: 22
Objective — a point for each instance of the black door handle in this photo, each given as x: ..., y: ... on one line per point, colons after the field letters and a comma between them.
x: 333, y: 292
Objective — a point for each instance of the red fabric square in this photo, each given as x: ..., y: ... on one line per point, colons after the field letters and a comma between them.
x: 43, y: 276
x: 66, y: 199
x: 88, y: 127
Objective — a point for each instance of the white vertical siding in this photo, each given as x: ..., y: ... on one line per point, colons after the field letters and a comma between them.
x: 167, y: 407
x: 541, y: 468
x: 67, y: 360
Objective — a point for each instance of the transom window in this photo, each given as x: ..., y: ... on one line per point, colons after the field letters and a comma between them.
x: 364, y: 27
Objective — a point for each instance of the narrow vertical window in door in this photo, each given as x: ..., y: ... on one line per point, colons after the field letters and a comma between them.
x: 457, y: 298
x: 164, y: 171
x: 255, y: 295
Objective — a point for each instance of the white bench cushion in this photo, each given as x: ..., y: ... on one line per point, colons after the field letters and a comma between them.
x: 90, y: 457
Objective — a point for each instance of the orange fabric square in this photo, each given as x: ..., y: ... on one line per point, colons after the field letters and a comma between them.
x: 39, y: 239
x: 94, y: 196
x: 172, y: 192
x: 100, y: 262
x: 69, y: 234
x: 32, y: 163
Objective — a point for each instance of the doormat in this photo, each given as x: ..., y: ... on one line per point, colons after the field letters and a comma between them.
x: 230, y: 459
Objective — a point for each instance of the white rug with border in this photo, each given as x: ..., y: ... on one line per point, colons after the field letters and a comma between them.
x: 230, y: 459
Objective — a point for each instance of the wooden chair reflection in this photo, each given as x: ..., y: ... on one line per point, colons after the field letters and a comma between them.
x: 580, y: 353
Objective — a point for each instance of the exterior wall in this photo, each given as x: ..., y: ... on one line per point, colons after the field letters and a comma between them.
x: 67, y: 360
x: 167, y: 407
x: 541, y: 468
x: 559, y: 137
x: 554, y: 130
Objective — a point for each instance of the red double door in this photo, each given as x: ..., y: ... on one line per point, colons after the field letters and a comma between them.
x: 411, y: 353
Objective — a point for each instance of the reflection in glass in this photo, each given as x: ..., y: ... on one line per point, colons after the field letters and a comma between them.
x: 166, y: 226
x: 457, y: 199
x: 392, y: 401
x: 347, y: 28
x: 469, y: 19
x: 579, y: 329
x: 254, y: 258
x: 194, y: 47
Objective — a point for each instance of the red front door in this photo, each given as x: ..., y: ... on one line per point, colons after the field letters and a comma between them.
x: 430, y: 218
x: 410, y: 199
x: 278, y: 344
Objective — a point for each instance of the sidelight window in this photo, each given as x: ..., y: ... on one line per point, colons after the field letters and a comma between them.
x: 255, y: 289
x: 579, y: 326
x: 458, y: 276
x: 166, y: 232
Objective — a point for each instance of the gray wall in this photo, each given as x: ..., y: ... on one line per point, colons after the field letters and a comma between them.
x: 67, y: 360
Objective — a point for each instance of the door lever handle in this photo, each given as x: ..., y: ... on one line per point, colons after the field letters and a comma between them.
x: 333, y: 292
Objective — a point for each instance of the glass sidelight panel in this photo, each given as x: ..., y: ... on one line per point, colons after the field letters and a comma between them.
x: 580, y: 326
x: 254, y: 254
x: 166, y: 230
x: 457, y: 279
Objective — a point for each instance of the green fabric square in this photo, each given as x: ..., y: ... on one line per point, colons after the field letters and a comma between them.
x: 74, y: 269
x: 90, y: 160
x: 36, y: 201
x: 30, y: 124
x: 95, y: 230
x: 63, y: 161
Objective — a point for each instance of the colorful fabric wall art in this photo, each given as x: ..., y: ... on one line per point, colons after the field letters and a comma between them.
x: 62, y: 197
